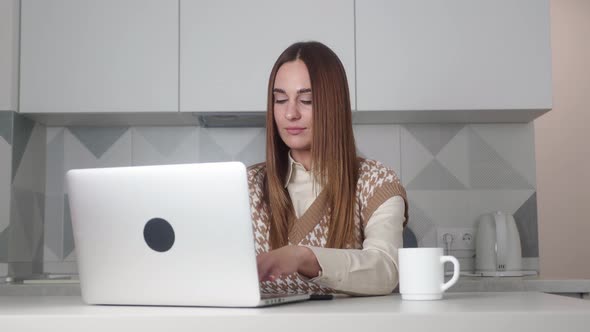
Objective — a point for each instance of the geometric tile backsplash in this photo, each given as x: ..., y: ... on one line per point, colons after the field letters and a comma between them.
x: 453, y: 172
x: 22, y: 194
x: 5, y: 185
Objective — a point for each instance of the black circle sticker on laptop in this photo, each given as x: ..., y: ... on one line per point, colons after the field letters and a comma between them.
x: 158, y: 234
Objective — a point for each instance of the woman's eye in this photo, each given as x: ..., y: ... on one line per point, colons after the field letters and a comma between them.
x: 306, y: 102
x: 280, y: 101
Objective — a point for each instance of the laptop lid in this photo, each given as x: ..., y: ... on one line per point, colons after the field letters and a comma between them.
x: 164, y: 235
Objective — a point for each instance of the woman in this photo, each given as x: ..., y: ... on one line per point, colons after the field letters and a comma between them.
x: 325, y: 221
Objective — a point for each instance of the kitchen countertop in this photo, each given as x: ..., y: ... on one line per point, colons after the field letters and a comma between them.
x: 511, y: 284
x: 465, y: 284
x: 486, y: 311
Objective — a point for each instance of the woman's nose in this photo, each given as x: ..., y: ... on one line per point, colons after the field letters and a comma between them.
x: 292, y: 112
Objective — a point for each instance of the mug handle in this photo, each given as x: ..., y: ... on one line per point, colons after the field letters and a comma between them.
x: 448, y: 284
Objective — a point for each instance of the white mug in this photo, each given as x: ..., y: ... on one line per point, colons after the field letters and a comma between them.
x: 421, y: 273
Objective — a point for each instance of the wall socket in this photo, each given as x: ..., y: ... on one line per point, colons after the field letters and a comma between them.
x: 462, y: 238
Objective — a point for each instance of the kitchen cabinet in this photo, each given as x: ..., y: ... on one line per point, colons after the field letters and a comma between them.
x: 228, y: 48
x: 99, y: 56
x: 8, y: 54
x: 406, y: 60
x: 481, y: 56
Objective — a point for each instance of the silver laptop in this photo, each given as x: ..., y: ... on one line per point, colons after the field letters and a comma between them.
x: 166, y: 235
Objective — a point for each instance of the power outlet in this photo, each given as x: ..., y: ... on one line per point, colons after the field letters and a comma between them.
x: 461, y: 238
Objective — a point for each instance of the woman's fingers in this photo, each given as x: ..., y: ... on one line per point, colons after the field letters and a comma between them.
x: 265, y: 267
x: 275, y: 264
x: 262, y: 267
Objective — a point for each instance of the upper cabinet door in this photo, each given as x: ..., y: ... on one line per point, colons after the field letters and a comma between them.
x: 8, y: 54
x: 99, y: 56
x: 453, y: 54
x: 228, y: 47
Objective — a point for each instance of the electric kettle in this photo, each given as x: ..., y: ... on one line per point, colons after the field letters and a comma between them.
x: 497, y: 246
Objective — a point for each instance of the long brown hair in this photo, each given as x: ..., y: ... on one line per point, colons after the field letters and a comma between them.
x: 334, y: 162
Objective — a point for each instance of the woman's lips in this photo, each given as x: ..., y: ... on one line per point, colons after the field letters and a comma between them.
x: 295, y: 130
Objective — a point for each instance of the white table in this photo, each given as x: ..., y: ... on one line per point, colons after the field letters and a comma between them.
x: 481, y: 312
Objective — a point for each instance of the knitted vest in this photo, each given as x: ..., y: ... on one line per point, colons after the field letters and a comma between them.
x: 375, y: 185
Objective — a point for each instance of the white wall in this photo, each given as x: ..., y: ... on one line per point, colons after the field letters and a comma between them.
x: 562, y: 151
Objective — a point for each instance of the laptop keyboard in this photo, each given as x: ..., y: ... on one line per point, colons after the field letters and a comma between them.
x: 274, y: 296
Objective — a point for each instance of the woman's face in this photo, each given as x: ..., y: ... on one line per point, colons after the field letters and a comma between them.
x: 292, y: 105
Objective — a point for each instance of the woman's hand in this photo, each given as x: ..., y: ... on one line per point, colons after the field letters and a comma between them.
x: 287, y: 260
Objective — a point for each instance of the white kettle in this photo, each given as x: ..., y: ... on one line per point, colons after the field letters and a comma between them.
x: 497, y: 246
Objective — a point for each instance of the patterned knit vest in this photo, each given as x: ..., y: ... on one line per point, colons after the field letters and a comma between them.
x: 375, y: 185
